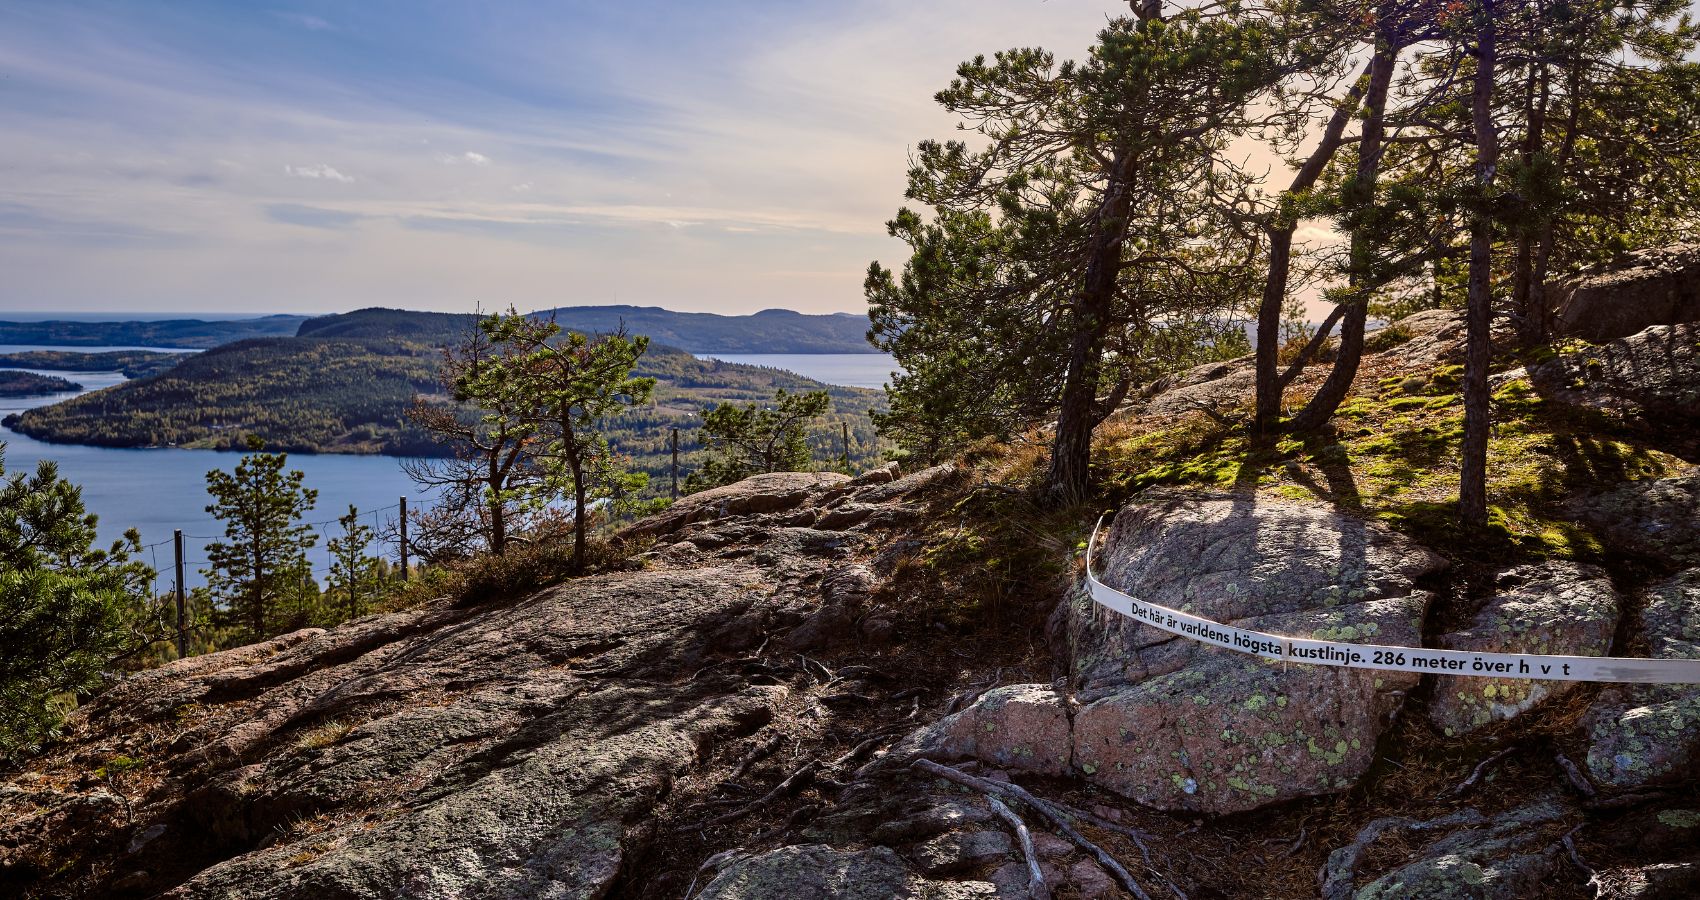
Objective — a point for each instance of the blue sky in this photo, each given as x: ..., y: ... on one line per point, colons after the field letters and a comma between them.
x: 234, y: 156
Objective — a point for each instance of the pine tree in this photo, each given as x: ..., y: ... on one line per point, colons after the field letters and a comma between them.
x: 261, y: 560
x: 68, y: 611
x: 569, y: 384
x: 1088, y: 247
x: 354, y: 577
x: 743, y: 439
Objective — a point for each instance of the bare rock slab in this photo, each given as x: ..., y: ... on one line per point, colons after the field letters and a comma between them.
x: 1658, y: 286
x: 1655, y: 373
x: 1641, y: 735
x: 1554, y: 608
x: 1182, y: 726
x: 817, y: 872
x: 1658, y: 518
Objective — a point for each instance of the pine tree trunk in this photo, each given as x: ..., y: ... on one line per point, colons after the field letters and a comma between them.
x: 1268, y: 384
x: 1327, y: 398
x: 1472, y: 486
x: 1268, y: 410
x: 1070, y: 479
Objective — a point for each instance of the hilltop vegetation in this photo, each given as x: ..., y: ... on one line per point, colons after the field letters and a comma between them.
x: 344, y: 387
x: 187, y: 334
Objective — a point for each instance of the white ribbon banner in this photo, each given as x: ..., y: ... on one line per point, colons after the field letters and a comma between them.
x: 1390, y: 658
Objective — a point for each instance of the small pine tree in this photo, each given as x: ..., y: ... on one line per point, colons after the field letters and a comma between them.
x: 68, y: 610
x: 748, y: 439
x: 571, y: 383
x: 260, y: 563
x: 355, y: 579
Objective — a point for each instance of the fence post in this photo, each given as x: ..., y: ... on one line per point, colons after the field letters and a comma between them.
x: 404, y: 539
x: 675, y: 464
x: 182, y: 600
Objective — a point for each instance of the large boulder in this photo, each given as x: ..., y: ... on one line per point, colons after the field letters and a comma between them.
x: 1554, y: 608
x: 1657, y: 518
x: 1180, y: 725
x: 1653, y: 373
x: 1649, y: 734
x: 1432, y: 337
x: 1660, y: 286
x: 1216, y: 386
x: 1024, y: 727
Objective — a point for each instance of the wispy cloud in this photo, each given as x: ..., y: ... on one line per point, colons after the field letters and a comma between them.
x: 469, y: 157
x: 317, y: 171
x: 778, y: 133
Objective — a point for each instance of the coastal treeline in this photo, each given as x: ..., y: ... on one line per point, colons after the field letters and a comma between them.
x: 1101, y: 226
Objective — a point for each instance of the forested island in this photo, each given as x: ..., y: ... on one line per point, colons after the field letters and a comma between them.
x: 28, y: 384
x: 133, y: 363
x: 345, y: 384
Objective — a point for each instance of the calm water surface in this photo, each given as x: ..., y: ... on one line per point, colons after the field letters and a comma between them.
x: 158, y: 490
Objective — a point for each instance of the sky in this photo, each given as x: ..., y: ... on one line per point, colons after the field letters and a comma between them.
x: 242, y: 156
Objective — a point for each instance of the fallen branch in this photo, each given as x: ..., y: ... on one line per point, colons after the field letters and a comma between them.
x: 1577, y: 861
x: 796, y: 782
x: 757, y: 753
x: 865, y: 747
x: 1132, y: 834
x: 1056, y: 817
x: 1477, y: 773
x: 1298, y: 843
x: 1036, y: 888
x: 1574, y: 775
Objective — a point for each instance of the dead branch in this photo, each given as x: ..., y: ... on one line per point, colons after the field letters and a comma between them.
x: 757, y: 753
x: 862, y: 749
x: 1043, y: 808
x: 1574, y: 775
x: 1036, y: 887
x: 1477, y: 773
x: 1577, y: 861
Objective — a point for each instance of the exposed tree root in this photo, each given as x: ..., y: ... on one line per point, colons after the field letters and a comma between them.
x: 1577, y: 860
x: 1057, y: 818
x: 1576, y: 778
x: 1339, y: 875
x: 792, y: 784
x: 1036, y: 887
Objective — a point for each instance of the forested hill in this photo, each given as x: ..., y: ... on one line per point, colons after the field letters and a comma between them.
x: 186, y: 334
x: 350, y: 394
x: 768, y: 331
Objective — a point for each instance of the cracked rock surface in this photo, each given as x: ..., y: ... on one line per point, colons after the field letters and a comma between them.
x: 509, y: 748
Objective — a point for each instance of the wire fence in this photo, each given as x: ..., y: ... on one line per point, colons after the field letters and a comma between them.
x: 163, y: 561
